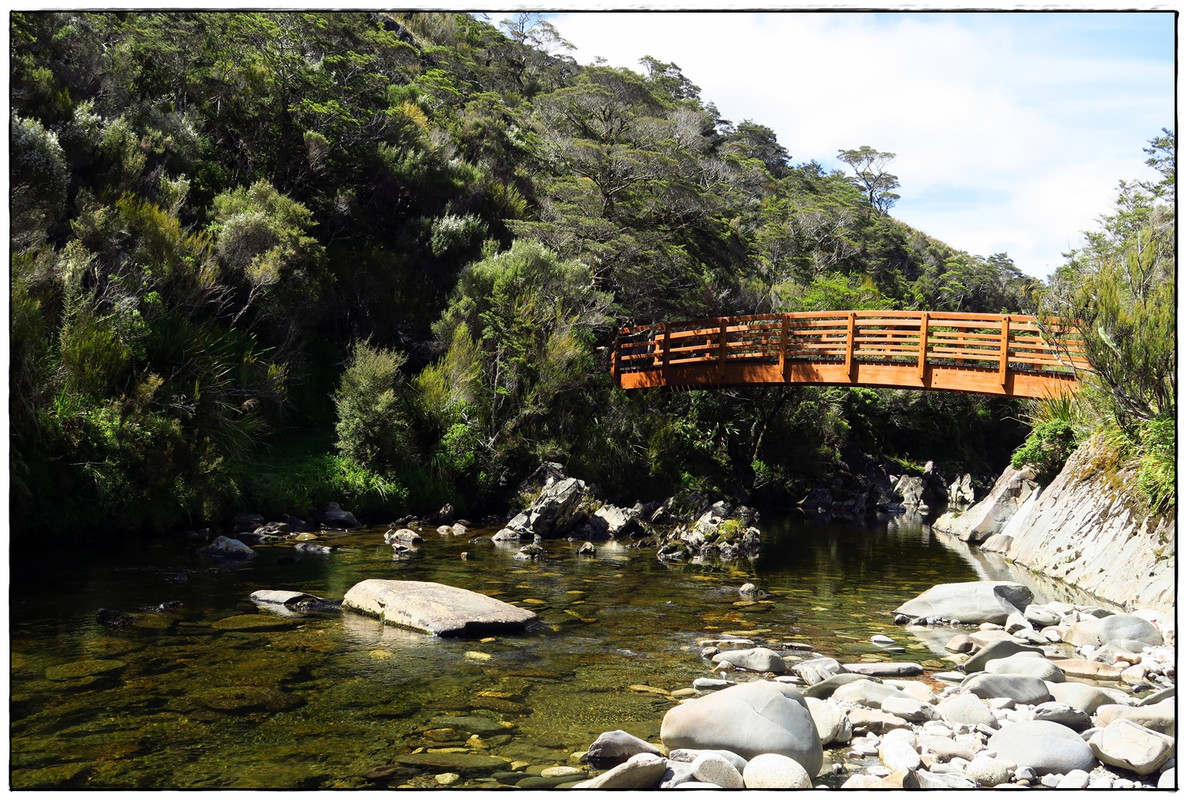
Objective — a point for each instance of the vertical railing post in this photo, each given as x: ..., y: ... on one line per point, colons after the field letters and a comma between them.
x: 784, y: 335
x: 849, y: 341
x: 664, y: 354
x: 1004, y: 355
x: 614, y: 356
x: 923, y: 326
x: 721, y: 344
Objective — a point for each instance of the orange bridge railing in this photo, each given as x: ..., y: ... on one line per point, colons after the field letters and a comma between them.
x: 1000, y: 354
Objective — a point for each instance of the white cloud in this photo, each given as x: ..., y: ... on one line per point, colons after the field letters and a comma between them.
x: 1009, y: 135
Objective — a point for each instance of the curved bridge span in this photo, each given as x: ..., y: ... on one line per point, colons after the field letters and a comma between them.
x: 998, y: 354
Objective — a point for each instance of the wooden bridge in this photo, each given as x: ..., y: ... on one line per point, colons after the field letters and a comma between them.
x: 998, y: 354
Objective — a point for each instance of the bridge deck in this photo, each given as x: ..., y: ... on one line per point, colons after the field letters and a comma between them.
x: 1000, y: 354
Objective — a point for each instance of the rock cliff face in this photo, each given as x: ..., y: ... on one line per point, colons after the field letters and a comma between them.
x: 1081, y: 529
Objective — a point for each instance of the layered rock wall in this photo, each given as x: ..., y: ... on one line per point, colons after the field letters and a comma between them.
x: 1083, y: 529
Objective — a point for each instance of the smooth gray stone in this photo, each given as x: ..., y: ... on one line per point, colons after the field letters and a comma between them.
x: 885, y: 669
x: 1079, y: 696
x: 755, y: 659
x: 972, y: 601
x: 995, y: 650
x: 943, y: 780
x: 712, y: 768
x: 1115, y: 628
x: 815, y: 670
x: 686, y: 756
x: 773, y: 771
x: 676, y: 774
x: 614, y: 747
x: 1158, y: 697
x: 826, y: 687
x: 1019, y: 688
x: 1054, y: 711
x: 1131, y: 747
x: 867, y: 693
x: 748, y: 719
x: 1026, y: 664
x: 643, y: 771
x: 711, y: 684
x: 1167, y: 780
x: 1158, y: 717
x: 1045, y: 747
x: 435, y: 608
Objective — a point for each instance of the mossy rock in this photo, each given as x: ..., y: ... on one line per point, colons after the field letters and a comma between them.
x: 59, y: 776
x: 461, y: 763
x: 253, y: 623
x: 83, y: 669
x: 241, y: 699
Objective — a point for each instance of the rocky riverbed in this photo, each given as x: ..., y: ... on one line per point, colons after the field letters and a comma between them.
x: 1044, y: 695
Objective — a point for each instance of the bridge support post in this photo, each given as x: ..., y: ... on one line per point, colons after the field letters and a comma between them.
x: 721, y: 347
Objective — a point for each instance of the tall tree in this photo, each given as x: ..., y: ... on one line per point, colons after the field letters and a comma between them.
x: 869, y: 165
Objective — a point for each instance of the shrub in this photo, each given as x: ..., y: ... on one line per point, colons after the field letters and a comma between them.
x: 1156, y: 463
x: 373, y: 406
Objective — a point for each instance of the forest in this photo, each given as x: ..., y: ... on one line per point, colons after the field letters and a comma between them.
x: 264, y: 261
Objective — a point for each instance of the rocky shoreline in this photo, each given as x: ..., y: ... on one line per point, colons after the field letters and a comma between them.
x: 1050, y: 695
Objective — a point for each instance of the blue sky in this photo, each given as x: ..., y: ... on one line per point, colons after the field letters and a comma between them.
x: 1011, y: 129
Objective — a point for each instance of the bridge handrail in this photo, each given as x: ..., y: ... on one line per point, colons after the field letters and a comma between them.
x: 999, y: 341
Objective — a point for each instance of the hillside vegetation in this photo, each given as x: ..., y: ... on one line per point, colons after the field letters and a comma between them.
x: 267, y: 260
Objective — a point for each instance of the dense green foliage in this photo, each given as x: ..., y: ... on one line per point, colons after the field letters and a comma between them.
x: 1119, y: 289
x: 418, y: 232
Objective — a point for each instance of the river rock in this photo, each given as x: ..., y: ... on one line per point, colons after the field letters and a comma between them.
x: 405, y: 535
x: 1159, y: 717
x: 885, y: 669
x: 988, y: 771
x: 83, y: 669
x: 555, y: 512
x: 1019, y: 688
x: 898, y: 755
x: 865, y: 720
x: 774, y: 771
x: 1113, y: 628
x: 965, y: 709
x: 971, y: 602
x: 996, y: 650
x: 961, y: 643
x: 1083, y: 668
x: 461, y: 763
x: 1130, y: 746
x: 1025, y: 664
x: 713, y: 768
x: 747, y: 719
x: 867, y: 693
x: 1045, y: 747
x: 756, y: 659
x: 337, y: 516
x: 814, y: 670
x: 1054, y: 711
x: 826, y: 687
x: 990, y: 516
x: 224, y: 547
x: 642, y: 771
x: 828, y: 720
x: 435, y: 608
x: 943, y: 780
x: 1041, y: 616
x: 252, y: 622
x: 909, y: 708
x: 615, y: 747
x: 687, y: 756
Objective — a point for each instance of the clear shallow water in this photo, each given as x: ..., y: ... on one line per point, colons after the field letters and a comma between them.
x: 180, y: 701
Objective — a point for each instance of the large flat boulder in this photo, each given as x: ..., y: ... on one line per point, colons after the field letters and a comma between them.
x: 972, y: 602
x: 435, y: 608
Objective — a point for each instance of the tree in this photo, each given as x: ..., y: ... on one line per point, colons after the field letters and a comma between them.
x: 870, y: 168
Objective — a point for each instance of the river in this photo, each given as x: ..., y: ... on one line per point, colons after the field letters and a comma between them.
x: 182, y: 699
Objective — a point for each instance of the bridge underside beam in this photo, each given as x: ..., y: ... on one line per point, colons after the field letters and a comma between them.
x: 978, y: 380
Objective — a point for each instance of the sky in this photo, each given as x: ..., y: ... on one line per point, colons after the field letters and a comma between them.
x: 1011, y: 130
